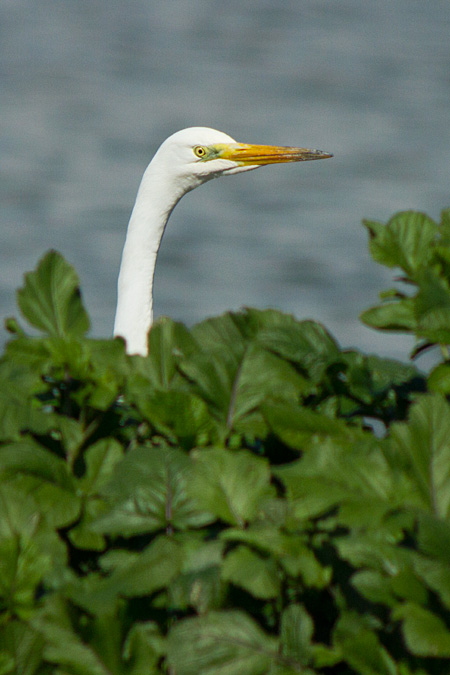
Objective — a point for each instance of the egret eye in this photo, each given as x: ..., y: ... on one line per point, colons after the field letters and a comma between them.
x: 199, y: 151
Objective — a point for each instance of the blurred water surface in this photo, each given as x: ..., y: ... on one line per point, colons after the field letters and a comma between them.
x: 89, y: 89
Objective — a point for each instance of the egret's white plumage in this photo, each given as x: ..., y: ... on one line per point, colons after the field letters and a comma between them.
x: 185, y: 160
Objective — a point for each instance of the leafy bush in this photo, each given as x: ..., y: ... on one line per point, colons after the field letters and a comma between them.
x: 248, y: 499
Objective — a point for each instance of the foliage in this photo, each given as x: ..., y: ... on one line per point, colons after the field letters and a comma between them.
x: 248, y: 499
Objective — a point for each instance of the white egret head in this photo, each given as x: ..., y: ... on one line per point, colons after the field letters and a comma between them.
x: 198, y: 154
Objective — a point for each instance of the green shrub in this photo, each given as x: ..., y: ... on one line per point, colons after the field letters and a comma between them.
x: 248, y: 499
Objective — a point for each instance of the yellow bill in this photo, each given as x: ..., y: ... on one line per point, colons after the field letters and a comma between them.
x: 248, y: 154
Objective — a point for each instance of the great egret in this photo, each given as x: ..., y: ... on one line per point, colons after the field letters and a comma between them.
x: 185, y: 160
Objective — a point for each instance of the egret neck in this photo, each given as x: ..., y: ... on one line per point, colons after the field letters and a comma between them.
x: 157, y: 196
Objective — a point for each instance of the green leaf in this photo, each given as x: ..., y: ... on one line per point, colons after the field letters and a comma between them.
x: 19, y: 411
x: 107, y: 366
x: 21, y: 649
x: 213, y: 377
x: 439, y: 379
x: 297, y: 629
x: 221, y: 334
x: 50, y: 299
x: 290, y: 550
x: 436, y: 574
x: 425, y: 442
x: 169, y: 342
x: 361, y: 648
x: 21, y: 521
x: 445, y: 227
x: 234, y: 378
x: 130, y: 576
x: 432, y: 307
x: 394, y: 316
x: 407, y: 586
x: 32, y: 352
x: 22, y: 568
x: 297, y: 426
x: 149, y: 492
x: 372, y: 377
x: 377, y: 550
x: 252, y: 322
x: 6, y: 663
x: 262, y: 376
x: 306, y: 343
x: 71, y: 434
x: 108, y: 355
x: 216, y: 484
x: 143, y: 648
x: 63, y: 646
x: 13, y: 326
x: 374, y: 586
x: 198, y: 585
x: 35, y: 469
x: 154, y: 568
x: 321, y: 481
x: 406, y: 241
x: 82, y: 536
x: 100, y: 459
x: 433, y: 536
x: 425, y: 634
x: 179, y: 416
x: 28, y: 551
x: 442, y: 256
x: 85, y: 645
x: 222, y: 643
x: 256, y: 575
